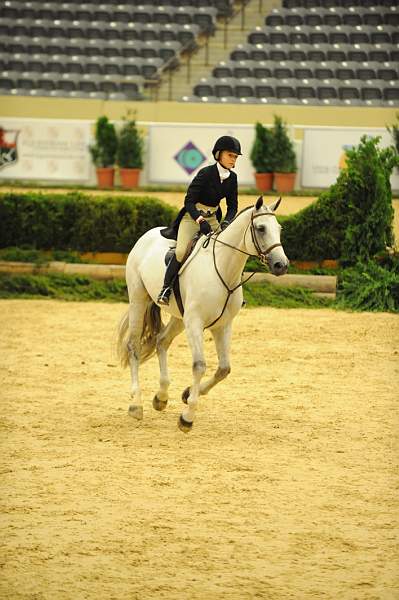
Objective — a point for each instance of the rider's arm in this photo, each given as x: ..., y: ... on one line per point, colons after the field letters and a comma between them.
x: 231, y: 199
x: 193, y: 195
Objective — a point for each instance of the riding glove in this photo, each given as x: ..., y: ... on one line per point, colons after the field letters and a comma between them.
x: 205, y: 228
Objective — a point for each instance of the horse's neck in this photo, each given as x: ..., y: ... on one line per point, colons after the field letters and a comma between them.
x: 231, y: 262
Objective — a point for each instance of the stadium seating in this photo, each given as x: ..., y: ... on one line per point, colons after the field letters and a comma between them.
x: 304, y: 52
x: 328, y: 52
x: 115, y: 40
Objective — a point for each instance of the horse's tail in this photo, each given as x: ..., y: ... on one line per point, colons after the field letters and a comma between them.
x: 152, y: 326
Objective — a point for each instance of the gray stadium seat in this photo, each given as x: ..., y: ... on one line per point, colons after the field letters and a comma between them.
x: 357, y: 54
x: 261, y: 36
x: 313, y: 19
x: 274, y: 18
x: 223, y: 70
x: 276, y: 53
x: 365, y: 72
x: 391, y: 93
x: 239, y: 54
x: 328, y: 90
x: 345, y: 72
x: 262, y: 69
x: 265, y: 89
x: 378, y: 54
x: 388, y: 73
x: 245, y: 89
x: 306, y: 90
x: 282, y: 72
x: 286, y: 89
x: 371, y: 95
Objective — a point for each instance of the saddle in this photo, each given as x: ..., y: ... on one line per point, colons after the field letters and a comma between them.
x: 190, y: 247
x: 168, y: 257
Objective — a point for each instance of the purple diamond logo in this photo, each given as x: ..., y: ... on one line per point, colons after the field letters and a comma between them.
x: 189, y: 158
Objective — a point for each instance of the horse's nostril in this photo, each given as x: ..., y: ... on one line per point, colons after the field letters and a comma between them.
x: 278, y: 265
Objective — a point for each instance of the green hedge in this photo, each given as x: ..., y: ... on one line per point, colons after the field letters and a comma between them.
x: 77, y: 221
x: 351, y: 221
x: 371, y: 286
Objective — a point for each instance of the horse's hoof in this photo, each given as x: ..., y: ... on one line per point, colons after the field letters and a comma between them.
x: 185, y: 395
x: 184, y: 425
x: 159, y: 404
x: 136, y: 411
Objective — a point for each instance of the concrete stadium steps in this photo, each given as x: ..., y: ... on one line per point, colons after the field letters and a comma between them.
x: 181, y: 82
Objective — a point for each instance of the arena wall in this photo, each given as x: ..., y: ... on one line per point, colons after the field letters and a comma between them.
x: 60, y: 108
x: 198, y: 122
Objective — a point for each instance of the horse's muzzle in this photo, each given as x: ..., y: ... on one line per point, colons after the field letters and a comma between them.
x: 279, y: 267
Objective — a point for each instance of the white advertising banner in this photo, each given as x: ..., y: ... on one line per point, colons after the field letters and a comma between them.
x: 178, y: 151
x: 324, y: 153
x: 45, y: 149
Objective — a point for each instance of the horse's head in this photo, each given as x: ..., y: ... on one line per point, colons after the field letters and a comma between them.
x: 265, y: 233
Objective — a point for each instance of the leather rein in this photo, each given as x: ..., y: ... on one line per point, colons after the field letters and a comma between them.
x: 262, y: 255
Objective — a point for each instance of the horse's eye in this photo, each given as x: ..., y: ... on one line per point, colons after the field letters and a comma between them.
x: 261, y: 228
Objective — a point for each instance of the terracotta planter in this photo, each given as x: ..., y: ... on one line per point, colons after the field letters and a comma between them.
x: 129, y: 177
x: 284, y: 182
x: 105, y: 177
x: 264, y: 181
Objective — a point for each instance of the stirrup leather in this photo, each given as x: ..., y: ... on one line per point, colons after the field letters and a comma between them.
x: 164, y: 295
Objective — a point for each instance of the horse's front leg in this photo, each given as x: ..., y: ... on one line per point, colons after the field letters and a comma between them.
x: 222, y: 338
x: 164, y: 340
x: 194, y: 330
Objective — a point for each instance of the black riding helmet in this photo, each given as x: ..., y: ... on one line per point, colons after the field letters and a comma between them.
x: 226, y: 142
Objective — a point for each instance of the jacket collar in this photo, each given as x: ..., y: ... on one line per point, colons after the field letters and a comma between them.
x: 216, y: 175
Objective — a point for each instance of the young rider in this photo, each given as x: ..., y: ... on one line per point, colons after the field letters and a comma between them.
x: 201, y: 210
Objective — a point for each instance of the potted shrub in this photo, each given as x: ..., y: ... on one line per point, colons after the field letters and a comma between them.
x: 262, y: 157
x: 103, y: 152
x: 129, y: 155
x: 285, y: 165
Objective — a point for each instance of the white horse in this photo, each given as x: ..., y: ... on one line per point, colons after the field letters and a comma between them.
x: 211, y: 292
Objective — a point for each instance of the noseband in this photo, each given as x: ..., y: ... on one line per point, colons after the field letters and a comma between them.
x: 262, y: 255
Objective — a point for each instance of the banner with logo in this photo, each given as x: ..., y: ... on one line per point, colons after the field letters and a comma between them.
x: 324, y: 153
x: 45, y: 149
x: 178, y: 151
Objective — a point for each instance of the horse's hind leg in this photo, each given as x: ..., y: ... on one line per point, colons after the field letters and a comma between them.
x: 222, y: 338
x: 164, y: 340
x: 137, y: 309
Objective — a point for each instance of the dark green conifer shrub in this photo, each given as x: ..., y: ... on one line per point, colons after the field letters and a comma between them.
x: 263, y: 152
x: 130, y: 146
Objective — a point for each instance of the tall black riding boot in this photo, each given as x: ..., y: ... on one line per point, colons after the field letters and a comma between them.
x: 171, y: 273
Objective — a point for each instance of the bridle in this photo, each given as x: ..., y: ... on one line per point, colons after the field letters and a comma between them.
x: 262, y: 255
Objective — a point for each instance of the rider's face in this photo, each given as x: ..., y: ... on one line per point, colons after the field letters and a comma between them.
x: 228, y: 159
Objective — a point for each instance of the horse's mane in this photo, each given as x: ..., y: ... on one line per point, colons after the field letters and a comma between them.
x: 248, y: 208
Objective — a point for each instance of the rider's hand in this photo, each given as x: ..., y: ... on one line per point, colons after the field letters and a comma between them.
x: 224, y: 224
x: 205, y: 228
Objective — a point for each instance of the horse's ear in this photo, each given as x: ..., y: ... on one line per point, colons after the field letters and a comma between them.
x: 259, y: 202
x: 274, y: 207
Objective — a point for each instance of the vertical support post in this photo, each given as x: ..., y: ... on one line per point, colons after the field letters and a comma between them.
x: 207, y: 51
x: 242, y: 15
x: 170, y: 86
